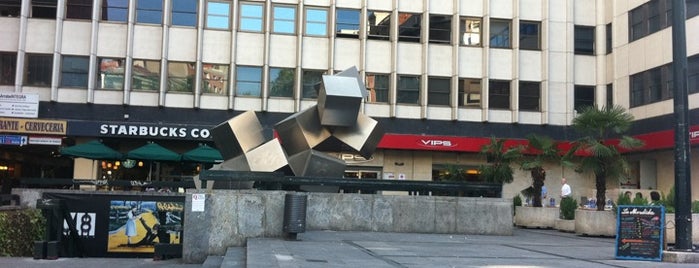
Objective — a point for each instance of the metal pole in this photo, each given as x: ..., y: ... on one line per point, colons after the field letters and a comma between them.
x: 683, y: 214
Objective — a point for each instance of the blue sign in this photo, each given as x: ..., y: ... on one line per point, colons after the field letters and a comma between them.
x: 640, y: 231
x: 13, y: 140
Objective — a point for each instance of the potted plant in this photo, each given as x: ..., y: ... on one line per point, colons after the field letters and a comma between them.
x: 566, y: 222
x: 499, y: 159
x: 669, y: 203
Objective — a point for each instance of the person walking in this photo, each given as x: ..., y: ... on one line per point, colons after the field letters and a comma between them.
x: 565, y: 189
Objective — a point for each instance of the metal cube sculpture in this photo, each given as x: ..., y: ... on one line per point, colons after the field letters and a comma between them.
x: 301, y: 131
x: 238, y: 135
x: 312, y: 163
x: 363, y: 137
x: 339, y: 101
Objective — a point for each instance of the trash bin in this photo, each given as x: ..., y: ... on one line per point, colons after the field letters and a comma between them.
x: 294, y: 215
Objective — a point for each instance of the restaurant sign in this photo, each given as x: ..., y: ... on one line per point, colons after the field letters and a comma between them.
x: 19, y: 105
x: 35, y: 126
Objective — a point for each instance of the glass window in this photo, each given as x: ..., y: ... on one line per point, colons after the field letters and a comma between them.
x: 377, y: 86
x: 214, y: 79
x: 38, y: 70
x: 8, y: 65
x: 470, y: 92
x: 347, y: 24
x: 184, y: 13
x: 409, y: 25
x: 316, y: 21
x: 655, y: 82
x: 74, y: 70
x: 115, y: 10
x: 636, y: 89
x: 79, y: 9
x: 311, y: 79
x: 10, y: 8
x: 180, y: 76
x: 529, y: 35
x: 609, y: 38
x: 408, y: 89
x: 500, y: 33
x: 251, y: 15
x: 610, y: 95
x: 637, y: 23
x: 692, y: 73
x: 653, y: 16
x: 439, y: 91
x: 45, y: 9
x: 666, y: 20
x: 110, y: 73
x: 440, y: 29
x: 281, y: 82
x: 470, y: 31
x: 667, y: 81
x: 584, y: 97
x: 499, y: 94
x: 284, y: 19
x: 529, y: 95
x: 149, y: 11
x: 379, y: 25
x: 217, y: 15
x: 145, y: 75
x: 692, y: 7
x: 248, y: 81
x: 584, y: 40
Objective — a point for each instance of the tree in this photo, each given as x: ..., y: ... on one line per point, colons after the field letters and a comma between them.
x: 500, y: 158
x: 544, y: 150
x: 602, y: 156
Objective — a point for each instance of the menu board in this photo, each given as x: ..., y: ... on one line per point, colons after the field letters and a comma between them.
x: 640, y: 231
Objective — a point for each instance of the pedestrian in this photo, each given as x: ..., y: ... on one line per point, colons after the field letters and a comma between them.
x: 565, y: 189
x: 544, y: 195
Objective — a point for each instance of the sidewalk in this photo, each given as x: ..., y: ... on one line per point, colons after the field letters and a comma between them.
x: 526, y: 248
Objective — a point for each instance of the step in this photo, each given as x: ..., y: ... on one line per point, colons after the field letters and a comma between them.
x: 235, y: 258
x: 212, y: 261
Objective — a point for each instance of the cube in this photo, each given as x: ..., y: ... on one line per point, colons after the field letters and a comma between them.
x: 238, y: 135
x: 301, y: 131
x: 312, y: 163
x: 363, y: 136
x: 339, y: 101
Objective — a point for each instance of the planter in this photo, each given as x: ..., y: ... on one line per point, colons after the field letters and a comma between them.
x: 536, y: 217
x: 562, y: 225
x: 595, y: 223
x: 670, y: 227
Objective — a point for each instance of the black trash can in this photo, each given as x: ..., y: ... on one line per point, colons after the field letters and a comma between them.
x: 294, y: 215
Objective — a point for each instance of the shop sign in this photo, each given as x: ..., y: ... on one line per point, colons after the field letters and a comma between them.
x: 35, y: 126
x: 45, y: 140
x: 152, y: 131
x: 693, y: 135
x: 13, y: 140
x: 19, y: 105
x: 436, y: 143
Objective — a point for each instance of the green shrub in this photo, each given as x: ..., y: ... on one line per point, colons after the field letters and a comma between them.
x: 623, y: 200
x: 639, y: 201
x: 568, y: 206
x: 517, y: 200
x: 18, y: 231
x: 669, y: 201
x: 695, y: 206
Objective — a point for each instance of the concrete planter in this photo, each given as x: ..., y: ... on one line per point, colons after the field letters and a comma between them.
x: 536, y: 217
x: 562, y: 225
x: 670, y: 227
x: 595, y: 223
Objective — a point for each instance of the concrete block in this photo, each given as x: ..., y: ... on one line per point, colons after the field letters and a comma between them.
x: 317, y: 216
x: 680, y: 257
x: 405, y: 211
x: 595, y: 223
x: 274, y: 213
x: 301, y: 131
x: 195, y: 249
x: 363, y: 136
x: 361, y: 216
x: 250, y: 220
x: 562, y: 225
x: 339, y: 101
x: 238, y: 135
x: 670, y: 227
x: 445, y: 217
x: 382, y: 213
x: 536, y: 217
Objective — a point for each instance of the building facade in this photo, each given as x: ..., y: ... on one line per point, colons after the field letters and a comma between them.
x: 443, y: 75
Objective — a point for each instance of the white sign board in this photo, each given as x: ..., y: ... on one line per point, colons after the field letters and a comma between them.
x: 198, y: 202
x: 44, y: 140
x: 24, y: 105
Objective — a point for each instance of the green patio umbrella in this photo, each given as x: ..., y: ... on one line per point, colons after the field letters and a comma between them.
x: 154, y: 152
x: 94, y: 149
x: 203, y: 154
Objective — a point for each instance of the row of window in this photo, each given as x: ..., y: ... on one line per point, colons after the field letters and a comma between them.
x: 656, y: 84
x: 654, y: 16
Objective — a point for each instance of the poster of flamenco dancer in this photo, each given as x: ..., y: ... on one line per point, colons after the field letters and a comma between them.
x: 136, y: 226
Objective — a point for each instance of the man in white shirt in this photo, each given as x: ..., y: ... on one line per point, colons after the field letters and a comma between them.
x: 565, y: 189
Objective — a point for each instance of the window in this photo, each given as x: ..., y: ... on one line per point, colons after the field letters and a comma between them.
x: 214, y: 79
x: 316, y: 21
x: 500, y: 33
x: 180, y: 76
x: 529, y: 96
x: 440, y: 29
x: 408, y: 89
x: 584, y: 97
x: 10, y: 8
x: 584, y: 40
x: 347, y: 23
x: 110, y: 73
x: 667, y: 81
x: 651, y: 86
x: 636, y: 89
x: 455, y: 173
x: 281, y: 82
x: 692, y: 7
x: 79, y: 9
x: 377, y: 85
x: 149, y: 11
x: 284, y: 19
x: 610, y: 95
x: 608, y: 42
x: 409, y: 27
x: 529, y: 35
x: 310, y: 79
x: 653, y: 16
x: 74, y: 70
x: 8, y: 64
x: 145, y: 75
x: 379, y: 25
x: 655, y: 81
x: 251, y: 17
x: 470, y: 31
x: 38, y: 70
x: 499, y: 94
x: 692, y: 72
x: 248, y: 81
x: 637, y: 25
x: 469, y: 92
x: 115, y: 10
x: 184, y: 13
x: 439, y: 91
x: 45, y: 9
x: 217, y: 15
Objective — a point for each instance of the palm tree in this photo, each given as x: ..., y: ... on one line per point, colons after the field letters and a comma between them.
x: 544, y: 150
x: 500, y: 158
x: 603, y: 158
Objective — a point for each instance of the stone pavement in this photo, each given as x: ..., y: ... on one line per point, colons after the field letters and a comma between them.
x: 526, y: 248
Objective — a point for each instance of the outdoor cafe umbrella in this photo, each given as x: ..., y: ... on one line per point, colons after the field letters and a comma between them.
x: 203, y: 154
x: 94, y: 150
x: 153, y: 152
